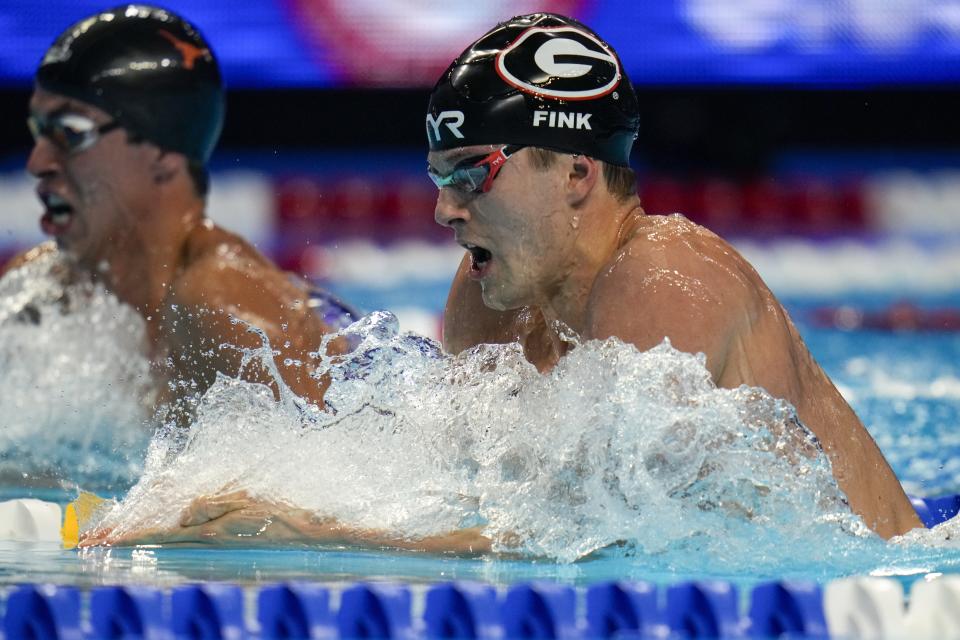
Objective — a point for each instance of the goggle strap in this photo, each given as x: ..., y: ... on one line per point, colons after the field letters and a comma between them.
x: 107, y: 127
x: 495, y: 162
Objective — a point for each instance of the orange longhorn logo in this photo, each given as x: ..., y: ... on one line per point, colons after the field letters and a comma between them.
x: 189, y: 51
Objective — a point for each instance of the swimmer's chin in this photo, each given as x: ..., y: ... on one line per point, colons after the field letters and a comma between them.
x: 493, y: 299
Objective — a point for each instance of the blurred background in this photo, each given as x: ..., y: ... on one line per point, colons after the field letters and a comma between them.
x: 822, y: 136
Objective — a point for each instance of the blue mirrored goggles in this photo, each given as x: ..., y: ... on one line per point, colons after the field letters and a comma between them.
x: 473, y: 175
x: 69, y: 132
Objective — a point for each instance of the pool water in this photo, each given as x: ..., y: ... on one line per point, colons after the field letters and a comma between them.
x: 904, y: 386
x: 906, y: 389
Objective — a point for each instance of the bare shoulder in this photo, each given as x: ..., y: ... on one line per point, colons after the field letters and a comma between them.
x: 223, y: 270
x: 678, y: 280
x: 670, y: 256
x: 225, y: 278
x: 28, y: 256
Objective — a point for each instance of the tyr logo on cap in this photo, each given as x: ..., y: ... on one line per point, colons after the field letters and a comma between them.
x: 559, y: 62
x: 433, y: 124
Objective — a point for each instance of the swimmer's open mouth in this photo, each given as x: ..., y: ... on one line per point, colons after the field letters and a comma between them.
x: 479, y: 257
x: 57, y: 215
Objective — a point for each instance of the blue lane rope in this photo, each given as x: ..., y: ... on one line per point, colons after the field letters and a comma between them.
x: 933, y: 511
x: 527, y: 611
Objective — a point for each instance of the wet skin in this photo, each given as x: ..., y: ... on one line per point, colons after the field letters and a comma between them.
x: 137, y: 225
x: 559, y: 249
x: 612, y: 270
x: 234, y: 518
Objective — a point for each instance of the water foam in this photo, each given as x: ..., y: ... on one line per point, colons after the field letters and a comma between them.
x: 613, y: 445
x: 76, y: 383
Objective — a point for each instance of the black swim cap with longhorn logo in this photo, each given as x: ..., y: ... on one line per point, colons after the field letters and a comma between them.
x: 149, y: 69
x: 542, y: 80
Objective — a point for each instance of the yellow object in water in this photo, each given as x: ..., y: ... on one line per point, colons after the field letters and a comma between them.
x: 76, y: 515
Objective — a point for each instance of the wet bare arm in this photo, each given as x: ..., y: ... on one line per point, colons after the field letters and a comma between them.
x: 237, y: 519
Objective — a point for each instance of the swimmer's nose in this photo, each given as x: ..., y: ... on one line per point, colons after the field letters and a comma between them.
x: 44, y: 160
x: 449, y: 209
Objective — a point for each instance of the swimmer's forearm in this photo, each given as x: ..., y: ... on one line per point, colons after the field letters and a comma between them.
x: 237, y: 519
x: 296, y: 528
x: 327, y: 530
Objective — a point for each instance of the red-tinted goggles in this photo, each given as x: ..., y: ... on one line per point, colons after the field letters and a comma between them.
x: 473, y: 175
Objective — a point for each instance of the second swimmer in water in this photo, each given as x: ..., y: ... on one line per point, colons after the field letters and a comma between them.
x: 530, y: 131
x: 127, y: 109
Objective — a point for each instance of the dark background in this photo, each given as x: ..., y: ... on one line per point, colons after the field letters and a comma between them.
x: 728, y: 131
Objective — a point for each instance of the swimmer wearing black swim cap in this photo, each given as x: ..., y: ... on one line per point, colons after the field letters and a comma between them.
x: 540, y: 80
x: 127, y: 109
x: 150, y: 70
x: 530, y: 131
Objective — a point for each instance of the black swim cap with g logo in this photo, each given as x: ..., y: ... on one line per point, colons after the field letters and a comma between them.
x: 149, y: 69
x: 541, y: 80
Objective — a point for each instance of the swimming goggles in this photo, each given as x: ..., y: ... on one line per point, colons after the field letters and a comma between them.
x: 70, y: 132
x: 472, y: 176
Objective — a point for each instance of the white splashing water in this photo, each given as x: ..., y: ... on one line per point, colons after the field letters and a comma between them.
x: 76, y: 383
x: 612, y: 445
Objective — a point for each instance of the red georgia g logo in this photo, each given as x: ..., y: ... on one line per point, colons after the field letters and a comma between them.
x: 564, y: 63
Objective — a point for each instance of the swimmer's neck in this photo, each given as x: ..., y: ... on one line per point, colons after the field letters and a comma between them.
x: 141, y: 266
x: 605, y: 227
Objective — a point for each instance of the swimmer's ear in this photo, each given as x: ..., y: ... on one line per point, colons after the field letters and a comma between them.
x: 581, y: 179
x: 166, y: 166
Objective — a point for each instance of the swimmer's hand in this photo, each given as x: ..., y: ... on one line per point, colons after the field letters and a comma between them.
x: 223, y: 519
x: 238, y: 519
